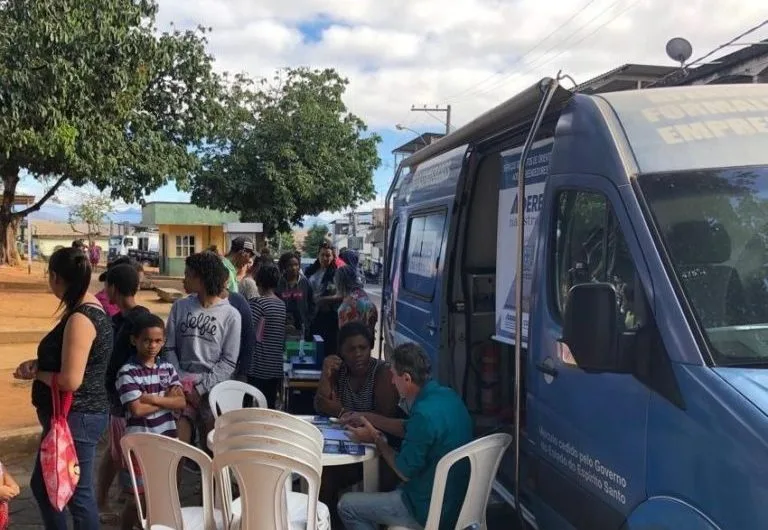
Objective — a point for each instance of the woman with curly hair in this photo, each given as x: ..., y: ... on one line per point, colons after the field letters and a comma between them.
x: 202, y: 338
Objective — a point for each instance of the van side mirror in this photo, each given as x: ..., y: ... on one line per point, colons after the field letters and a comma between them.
x: 590, y: 328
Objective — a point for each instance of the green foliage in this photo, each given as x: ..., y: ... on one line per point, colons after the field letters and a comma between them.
x: 315, y: 237
x: 292, y: 150
x: 91, y: 93
x: 282, y: 242
x: 91, y: 212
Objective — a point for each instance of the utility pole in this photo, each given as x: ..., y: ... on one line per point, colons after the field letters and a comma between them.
x: 438, y: 108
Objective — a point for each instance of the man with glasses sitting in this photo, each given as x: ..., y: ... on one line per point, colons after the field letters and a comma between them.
x: 438, y: 423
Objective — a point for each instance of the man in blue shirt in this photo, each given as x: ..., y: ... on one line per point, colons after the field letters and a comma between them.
x: 438, y: 423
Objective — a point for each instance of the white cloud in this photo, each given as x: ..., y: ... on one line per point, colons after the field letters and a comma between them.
x: 470, y: 53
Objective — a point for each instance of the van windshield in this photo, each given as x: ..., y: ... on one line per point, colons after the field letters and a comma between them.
x: 714, y: 225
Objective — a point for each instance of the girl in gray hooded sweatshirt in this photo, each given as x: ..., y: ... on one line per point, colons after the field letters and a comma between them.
x: 202, y: 338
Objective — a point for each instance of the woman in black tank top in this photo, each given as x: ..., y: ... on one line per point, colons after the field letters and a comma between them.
x: 76, y: 352
x: 354, y: 383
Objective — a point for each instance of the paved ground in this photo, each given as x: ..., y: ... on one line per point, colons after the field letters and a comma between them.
x: 25, y: 515
x: 32, y: 308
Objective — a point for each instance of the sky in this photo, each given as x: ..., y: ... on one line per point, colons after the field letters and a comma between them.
x: 472, y: 54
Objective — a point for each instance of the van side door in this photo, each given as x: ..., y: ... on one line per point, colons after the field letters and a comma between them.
x: 589, y: 429
x: 390, y: 288
x: 418, y: 304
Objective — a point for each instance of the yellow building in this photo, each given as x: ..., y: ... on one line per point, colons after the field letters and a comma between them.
x: 185, y: 229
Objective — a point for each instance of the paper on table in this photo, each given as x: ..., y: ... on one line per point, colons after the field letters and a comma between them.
x: 330, y: 433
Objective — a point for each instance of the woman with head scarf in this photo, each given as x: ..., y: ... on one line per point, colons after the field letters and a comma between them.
x: 355, y: 306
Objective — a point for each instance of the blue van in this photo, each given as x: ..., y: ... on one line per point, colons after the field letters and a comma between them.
x: 631, y: 261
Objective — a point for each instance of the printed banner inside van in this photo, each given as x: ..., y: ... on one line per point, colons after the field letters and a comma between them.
x: 536, y: 171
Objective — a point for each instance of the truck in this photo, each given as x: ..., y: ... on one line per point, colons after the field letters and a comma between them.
x: 590, y: 273
x: 142, y: 246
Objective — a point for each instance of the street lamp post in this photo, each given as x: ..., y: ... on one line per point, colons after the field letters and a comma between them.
x: 401, y: 127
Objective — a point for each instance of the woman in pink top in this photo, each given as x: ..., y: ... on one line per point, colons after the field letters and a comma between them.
x: 102, y: 296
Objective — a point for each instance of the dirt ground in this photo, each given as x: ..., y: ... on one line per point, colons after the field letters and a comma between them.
x: 27, y: 313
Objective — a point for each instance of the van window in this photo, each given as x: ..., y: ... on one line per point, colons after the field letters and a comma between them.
x: 589, y: 247
x: 714, y: 226
x: 422, y: 257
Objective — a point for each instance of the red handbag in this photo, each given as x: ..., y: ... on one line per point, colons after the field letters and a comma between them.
x: 4, y: 518
x: 58, y: 458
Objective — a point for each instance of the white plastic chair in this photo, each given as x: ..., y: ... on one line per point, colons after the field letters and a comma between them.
x: 282, y: 427
x: 273, y: 417
x: 228, y: 395
x: 261, y: 477
x: 256, y: 428
x: 232, y: 508
x: 158, y: 458
x: 484, y: 455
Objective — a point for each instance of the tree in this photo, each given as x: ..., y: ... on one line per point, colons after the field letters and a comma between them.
x: 315, y: 237
x: 292, y: 150
x: 282, y: 242
x: 91, y: 213
x: 91, y: 93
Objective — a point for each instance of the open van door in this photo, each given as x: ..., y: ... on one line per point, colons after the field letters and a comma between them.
x: 414, y: 300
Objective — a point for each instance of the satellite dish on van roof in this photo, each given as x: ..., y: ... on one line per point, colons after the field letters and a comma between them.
x: 679, y: 50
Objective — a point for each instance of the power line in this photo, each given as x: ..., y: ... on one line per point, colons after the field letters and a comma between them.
x: 528, y: 52
x: 563, y: 43
x: 429, y: 111
x: 711, y: 53
x: 585, y: 37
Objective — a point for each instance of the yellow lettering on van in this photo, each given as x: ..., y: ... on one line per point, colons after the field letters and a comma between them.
x: 718, y: 127
x: 694, y: 109
x: 759, y: 103
x: 672, y: 112
x: 718, y: 107
x: 741, y: 127
x: 742, y: 105
x: 691, y: 132
x: 652, y: 114
x: 760, y: 124
x: 669, y: 135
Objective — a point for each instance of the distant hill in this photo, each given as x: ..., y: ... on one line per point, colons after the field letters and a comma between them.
x: 60, y: 212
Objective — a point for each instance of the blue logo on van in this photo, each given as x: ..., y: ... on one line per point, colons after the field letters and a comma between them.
x: 533, y: 203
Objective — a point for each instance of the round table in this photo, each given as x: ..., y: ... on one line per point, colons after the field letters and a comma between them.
x: 370, y: 461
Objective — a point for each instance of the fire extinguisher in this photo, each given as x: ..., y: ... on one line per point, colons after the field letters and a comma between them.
x: 490, y: 366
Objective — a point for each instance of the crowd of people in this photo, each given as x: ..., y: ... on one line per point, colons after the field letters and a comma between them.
x: 130, y: 371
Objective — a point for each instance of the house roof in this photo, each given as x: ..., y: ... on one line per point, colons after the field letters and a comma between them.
x: 625, y: 77
x: 53, y: 229
x: 685, y: 77
x: 184, y: 213
x: 21, y: 199
x: 417, y: 143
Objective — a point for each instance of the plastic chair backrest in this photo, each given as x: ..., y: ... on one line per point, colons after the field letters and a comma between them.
x: 268, y: 444
x: 306, y: 454
x: 228, y: 395
x: 261, y: 478
x: 274, y: 417
x: 484, y: 455
x: 256, y: 428
x: 158, y: 458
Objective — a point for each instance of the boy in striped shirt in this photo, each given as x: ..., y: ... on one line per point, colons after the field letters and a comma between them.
x: 150, y: 390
